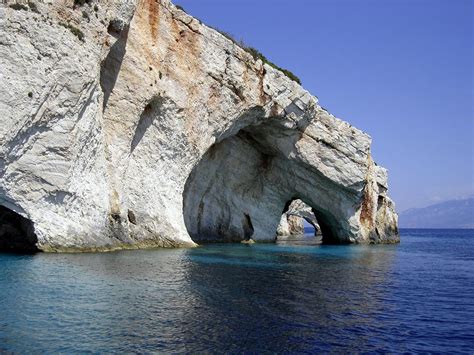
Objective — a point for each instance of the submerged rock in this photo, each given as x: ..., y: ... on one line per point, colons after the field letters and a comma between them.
x: 250, y: 241
x: 139, y: 126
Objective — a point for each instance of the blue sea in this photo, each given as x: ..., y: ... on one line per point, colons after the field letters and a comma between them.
x: 417, y: 296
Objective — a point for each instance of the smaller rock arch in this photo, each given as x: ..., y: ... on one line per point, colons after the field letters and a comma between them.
x: 293, y: 217
x: 323, y: 222
x: 17, y: 233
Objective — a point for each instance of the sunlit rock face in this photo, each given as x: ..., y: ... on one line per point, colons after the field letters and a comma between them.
x: 147, y: 128
x: 290, y: 225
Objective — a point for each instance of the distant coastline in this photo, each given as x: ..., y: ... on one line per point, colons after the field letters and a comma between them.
x: 453, y: 214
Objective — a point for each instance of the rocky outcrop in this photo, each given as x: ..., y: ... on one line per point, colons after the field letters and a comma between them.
x: 132, y: 124
x: 292, y: 220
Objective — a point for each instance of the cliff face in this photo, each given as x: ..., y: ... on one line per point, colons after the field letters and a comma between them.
x: 131, y: 124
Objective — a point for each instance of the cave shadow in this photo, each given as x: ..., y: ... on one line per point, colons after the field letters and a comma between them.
x: 17, y: 233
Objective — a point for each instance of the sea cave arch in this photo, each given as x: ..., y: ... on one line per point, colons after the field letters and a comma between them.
x: 241, y: 185
x: 17, y: 233
x: 293, y: 218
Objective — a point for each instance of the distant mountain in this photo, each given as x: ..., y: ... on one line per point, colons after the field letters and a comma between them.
x: 448, y: 214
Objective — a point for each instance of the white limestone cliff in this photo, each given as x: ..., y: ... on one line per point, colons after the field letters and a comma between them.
x: 130, y: 124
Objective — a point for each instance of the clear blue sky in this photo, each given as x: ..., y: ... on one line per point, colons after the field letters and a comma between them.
x: 401, y: 70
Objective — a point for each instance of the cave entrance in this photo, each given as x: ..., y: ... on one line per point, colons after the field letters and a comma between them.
x: 237, y: 189
x: 17, y: 233
x: 298, y: 219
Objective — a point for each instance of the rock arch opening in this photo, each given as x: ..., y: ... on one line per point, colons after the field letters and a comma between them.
x: 237, y: 190
x: 293, y: 218
x: 17, y: 233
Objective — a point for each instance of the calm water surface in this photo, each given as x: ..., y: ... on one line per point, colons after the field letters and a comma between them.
x: 416, y: 296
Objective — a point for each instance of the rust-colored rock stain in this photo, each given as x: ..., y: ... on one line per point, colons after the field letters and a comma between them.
x: 262, y: 95
x: 367, y: 207
x: 153, y: 18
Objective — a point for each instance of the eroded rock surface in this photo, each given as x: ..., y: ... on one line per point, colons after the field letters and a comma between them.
x: 136, y: 125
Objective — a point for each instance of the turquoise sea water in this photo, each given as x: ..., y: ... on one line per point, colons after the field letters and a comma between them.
x: 414, y: 297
